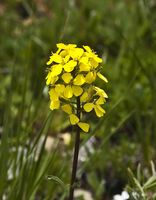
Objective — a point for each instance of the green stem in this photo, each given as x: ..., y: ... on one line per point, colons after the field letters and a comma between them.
x: 76, y: 153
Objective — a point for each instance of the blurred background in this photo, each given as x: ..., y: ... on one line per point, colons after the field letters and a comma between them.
x: 35, y: 143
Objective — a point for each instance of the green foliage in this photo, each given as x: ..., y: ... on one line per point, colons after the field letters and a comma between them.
x: 141, y: 188
x: 123, y: 33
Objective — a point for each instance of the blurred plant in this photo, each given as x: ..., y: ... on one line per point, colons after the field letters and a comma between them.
x: 71, y: 78
x: 141, y: 187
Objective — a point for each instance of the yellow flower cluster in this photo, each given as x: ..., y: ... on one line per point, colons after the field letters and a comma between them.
x: 71, y: 75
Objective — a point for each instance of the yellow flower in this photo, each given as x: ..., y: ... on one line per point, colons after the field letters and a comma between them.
x: 90, y: 77
x: 54, y: 105
x: 68, y: 92
x: 67, y: 108
x: 73, y: 119
x: 84, y: 67
x: 67, y: 77
x: 99, y: 110
x: 71, y: 78
x: 102, y: 77
x: 77, y: 90
x: 88, y: 107
x: 51, y: 79
x: 79, y: 80
x: 59, y: 88
x: 54, y: 58
x: 100, y: 92
x: 84, y: 126
x: 69, y: 66
x: 53, y: 95
x: 76, y: 53
x: 84, y: 97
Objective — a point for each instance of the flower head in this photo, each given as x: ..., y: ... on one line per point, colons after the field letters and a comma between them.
x: 71, y: 74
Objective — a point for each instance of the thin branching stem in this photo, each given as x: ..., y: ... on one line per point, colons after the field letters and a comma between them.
x: 76, y: 153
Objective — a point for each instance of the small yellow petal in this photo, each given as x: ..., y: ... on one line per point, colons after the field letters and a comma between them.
x: 87, y: 48
x: 53, y: 95
x: 54, y: 58
x: 71, y: 46
x: 84, y: 67
x: 90, y: 77
x: 93, y: 63
x: 51, y: 79
x: 67, y: 108
x: 69, y: 66
x: 84, y: 126
x: 84, y: 97
x: 73, y: 119
x: 67, y: 77
x: 97, y: 59
x: 88, y: 107
x: 79, y: 80
x: 68, y: 92
x: 54, y: 105
x: 77, y: 90
x: 56, y: 69
x: 63, y: 53
x: 49, y: 61
x: 76, y: 53
x: 84, y: 60
x: 59, y: 88
x: 61, y: 46
x: 66, y: 59
x: 101, y: 100
x: 100, y: 92
x: 99, y: 110
x: 102, y: 77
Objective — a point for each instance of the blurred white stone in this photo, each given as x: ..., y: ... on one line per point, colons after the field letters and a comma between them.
x: 83, y: 193
x: 124, y: 196
x: 66, y: 138
x: 49, y: 143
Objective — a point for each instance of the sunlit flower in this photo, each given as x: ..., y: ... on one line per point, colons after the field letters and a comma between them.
x: 124, y: 196
x: 71, y: 75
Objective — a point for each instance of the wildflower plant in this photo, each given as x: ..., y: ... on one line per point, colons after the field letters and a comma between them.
x: 71, y: 76
x: 71, y: 79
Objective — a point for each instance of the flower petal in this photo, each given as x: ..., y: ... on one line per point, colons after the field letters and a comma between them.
x: 54, y: 58
x: 67, y: 77
x: 77, y: 90
x: 56, y: 69
x: 54, y: 105
x: 84, y: 97
x: 100, y: 92
x: 79, y: 80
x: 68, y: 92
x: 73, y: 119
x: 76, y: 53
x: 88, y: 107
x: 90, y: 77
x: 99, y: 110
x: 59, y: 88
x: 61, y: 46
x: 101, y: 100
x: 51, y: 79
x: 102, y: 77
x: 84, y: 126
x: 84, y: 67
x: 53, y: 95
x: 67, y: 108
x: 69, y: 66
x: 87, y: 48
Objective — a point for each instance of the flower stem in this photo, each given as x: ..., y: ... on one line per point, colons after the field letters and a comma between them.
x: 76, y: 153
